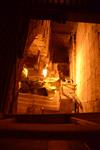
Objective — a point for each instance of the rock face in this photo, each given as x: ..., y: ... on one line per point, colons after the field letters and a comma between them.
x: 87, y: 66
x: 48, y: 41
x: 38, y: 37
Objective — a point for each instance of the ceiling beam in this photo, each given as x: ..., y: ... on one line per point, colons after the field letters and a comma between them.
x: 71, y: 10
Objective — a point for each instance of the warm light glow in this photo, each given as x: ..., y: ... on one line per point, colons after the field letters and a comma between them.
x: 44, y: 72
x: 25, y: 72
x: 79, y: 73
x: 78, y: 69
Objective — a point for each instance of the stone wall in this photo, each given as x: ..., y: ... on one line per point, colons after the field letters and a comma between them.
x: 88, y: 66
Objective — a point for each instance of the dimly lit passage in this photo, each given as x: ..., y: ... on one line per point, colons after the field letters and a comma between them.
x: 47, y: 81
x: 59, y: 72
x: 50, y: 75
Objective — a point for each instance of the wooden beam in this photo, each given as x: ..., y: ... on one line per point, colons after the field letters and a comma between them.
x: 76, y: 10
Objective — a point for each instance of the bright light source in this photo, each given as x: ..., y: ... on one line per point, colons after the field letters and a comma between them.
x: 44, y: 72
x: 25, y: 72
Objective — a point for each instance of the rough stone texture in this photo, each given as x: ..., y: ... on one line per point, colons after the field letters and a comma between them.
x: 88, y: 66
x: 72, y: 58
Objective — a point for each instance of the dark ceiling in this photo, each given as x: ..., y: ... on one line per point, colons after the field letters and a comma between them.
x: 62, y: 32
x: 61, y: 40
x: 71, y: 10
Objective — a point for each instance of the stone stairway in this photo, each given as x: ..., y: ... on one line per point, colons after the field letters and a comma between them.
x: 36, y: 104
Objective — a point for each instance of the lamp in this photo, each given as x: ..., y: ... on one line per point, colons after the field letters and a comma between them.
x: 44, y: 72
